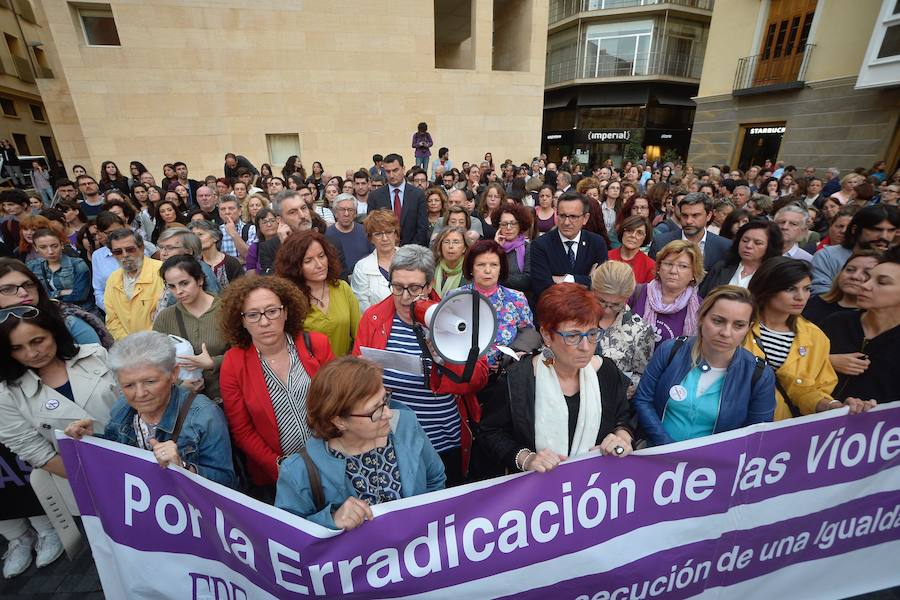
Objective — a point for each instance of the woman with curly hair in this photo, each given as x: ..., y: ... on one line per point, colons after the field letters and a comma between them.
x: 266, y: 374
x: 311, y: 262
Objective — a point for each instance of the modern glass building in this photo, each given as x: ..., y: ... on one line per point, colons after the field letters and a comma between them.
x: 621, y: 71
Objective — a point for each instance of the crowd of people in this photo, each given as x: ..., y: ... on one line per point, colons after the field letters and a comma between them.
x: 225, y: 325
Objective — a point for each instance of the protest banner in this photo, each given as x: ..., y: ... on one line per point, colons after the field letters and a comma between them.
x: 17, y: 499
x: 806, y: 508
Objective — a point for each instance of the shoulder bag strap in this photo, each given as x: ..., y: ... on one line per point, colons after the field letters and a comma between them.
x: 179, y: 320
x: 315, y: 484
x: 182, y: 415
x: 787, y: 399
x: 679, y: 342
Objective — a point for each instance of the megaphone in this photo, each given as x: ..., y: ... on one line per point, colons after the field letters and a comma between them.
x: 461, y: 323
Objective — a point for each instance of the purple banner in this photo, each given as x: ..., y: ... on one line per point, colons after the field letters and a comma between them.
x: 675, y: 521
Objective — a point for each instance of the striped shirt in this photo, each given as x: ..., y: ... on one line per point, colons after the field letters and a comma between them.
x: 776, y: 345
x: 289, y: 402
x: 437, y: 414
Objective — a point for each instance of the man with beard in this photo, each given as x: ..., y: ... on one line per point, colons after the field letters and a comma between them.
x: 694, y: 212
x: 292, y: 208
x: 871, y: 227
x: 133, y: 291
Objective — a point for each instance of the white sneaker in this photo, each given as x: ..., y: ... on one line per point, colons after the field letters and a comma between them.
x: 17, y: 558
x: 48, y: 548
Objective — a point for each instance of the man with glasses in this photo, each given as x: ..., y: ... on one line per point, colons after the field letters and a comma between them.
x: 207, y: 202
x: 103, y: 263
x: 347, y: 235
x: 133, y: 291
x: 568, y: 253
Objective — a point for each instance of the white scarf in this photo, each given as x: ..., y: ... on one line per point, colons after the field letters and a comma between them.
x: 551, y: 414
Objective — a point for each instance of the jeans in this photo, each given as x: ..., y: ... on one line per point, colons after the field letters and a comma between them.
x: 15, y: 173
x: 47, y: 195
x: 422, y: 161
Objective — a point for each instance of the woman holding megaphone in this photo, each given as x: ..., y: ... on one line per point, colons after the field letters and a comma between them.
x: 442, y: 405
x: 564, y: 401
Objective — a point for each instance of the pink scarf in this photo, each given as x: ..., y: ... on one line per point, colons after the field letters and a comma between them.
x: 687, y: 299
x: 518, y: 245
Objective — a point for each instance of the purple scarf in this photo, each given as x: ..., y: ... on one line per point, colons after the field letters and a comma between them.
x: 518, y: 245
x: 688, y: 299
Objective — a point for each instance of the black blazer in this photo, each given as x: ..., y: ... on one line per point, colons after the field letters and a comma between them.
x: 716, y: 247
x: 720, y: 274
x: 549, y: 258
x: 507, y: 424
x: 413, y: 216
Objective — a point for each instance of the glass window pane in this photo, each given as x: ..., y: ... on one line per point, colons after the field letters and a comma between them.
x: 100, y: 30
x: 891, y: 44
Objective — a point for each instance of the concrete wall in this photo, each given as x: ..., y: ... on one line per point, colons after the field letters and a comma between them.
x: 731, y: 32
x: 193, y: 80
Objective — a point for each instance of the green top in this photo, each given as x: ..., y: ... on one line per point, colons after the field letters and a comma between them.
x: 204, y: 330
x: 339, y: 324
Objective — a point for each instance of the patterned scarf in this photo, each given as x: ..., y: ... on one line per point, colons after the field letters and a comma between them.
x: 446, y: 279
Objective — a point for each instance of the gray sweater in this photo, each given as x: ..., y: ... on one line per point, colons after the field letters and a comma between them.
x: 826, y: 264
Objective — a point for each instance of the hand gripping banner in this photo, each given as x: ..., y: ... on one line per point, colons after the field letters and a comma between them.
x: 806, y: 508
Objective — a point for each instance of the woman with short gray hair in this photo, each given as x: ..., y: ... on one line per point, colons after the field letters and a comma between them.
x: 153, y: 413
x: 225, y: 267
x: 388, y: 325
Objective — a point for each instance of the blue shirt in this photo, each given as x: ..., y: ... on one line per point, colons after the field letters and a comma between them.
x: 103, y: 263
x: 437, y: 414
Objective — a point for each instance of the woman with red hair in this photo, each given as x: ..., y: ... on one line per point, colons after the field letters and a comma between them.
x: 566, y: 400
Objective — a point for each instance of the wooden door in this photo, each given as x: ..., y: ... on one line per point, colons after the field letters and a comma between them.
x: 784, y: 41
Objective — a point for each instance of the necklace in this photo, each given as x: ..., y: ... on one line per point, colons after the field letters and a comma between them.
x: 320, y: 301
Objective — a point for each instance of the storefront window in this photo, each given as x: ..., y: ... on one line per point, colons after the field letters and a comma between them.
x: 669, y: 117
x: 611, y: 117
x: 554, y: 120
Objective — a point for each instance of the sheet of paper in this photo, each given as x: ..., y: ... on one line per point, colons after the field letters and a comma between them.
x: 405, y: 363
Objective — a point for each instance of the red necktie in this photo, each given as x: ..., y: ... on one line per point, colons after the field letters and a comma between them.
x: 397, y: 203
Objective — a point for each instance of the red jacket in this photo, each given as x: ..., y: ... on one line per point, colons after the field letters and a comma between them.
x: 248, y: 406
x: 374, y: 331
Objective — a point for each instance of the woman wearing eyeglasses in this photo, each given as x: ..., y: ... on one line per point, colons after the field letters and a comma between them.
x: 514, y: 230
x: 46, y: 381
x: 563, y: 402
x: 266, y: 228
x: 442, y: 406
x: 708, y: 383
x: 365, y: 450
x: 370, y: 280
x: 449, y: 248
x: 266, y: 374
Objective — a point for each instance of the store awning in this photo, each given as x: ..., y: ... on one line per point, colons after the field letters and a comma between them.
x: 559, y: 99
x: 672, y: 99
x: 611, y: 95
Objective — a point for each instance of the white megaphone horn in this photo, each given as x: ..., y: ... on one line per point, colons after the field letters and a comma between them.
x: 461, y: 326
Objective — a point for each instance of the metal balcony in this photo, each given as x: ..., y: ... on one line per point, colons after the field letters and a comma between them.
x: 563, y: 9
x: 650, y: 64
x: 758, y: 74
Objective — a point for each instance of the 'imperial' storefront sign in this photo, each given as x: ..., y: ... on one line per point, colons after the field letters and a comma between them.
x: 596, y: 136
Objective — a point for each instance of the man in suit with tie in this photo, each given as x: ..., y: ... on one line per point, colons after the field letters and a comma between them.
x: 567, y: 253
x: 407, y: 202
x: 695, y: 211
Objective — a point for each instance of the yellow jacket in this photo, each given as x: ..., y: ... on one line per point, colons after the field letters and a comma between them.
x: 806, y: 375
x: 124, y: 316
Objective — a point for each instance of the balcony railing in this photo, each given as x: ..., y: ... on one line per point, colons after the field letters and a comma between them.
x: 756, y: 74
x: 563, y: 9
x: 646, y: 64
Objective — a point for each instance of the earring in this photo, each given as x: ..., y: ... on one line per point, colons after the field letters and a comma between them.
x: 547, y: 356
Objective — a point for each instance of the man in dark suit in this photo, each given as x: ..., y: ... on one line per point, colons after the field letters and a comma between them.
x: 405, y: 200
x: 695, y: 211
x: 567, y: 253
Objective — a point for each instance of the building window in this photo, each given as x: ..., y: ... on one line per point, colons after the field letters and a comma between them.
x: 562, y: 56
x: 37, y: 113
x: 49, y: 152
x: 98, y: 25
x: 282, y: 146
x: 512, y: 35
x: 879, y: 67
x: 21, y: 143
x: 618, y: 49
x: 43, y: 67
x: 8, y: 107
x: 454, y: 42
x: 610, y: 117
x: 890, y: 46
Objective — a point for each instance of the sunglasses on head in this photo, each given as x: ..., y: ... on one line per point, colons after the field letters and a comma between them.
x: 19, y: 312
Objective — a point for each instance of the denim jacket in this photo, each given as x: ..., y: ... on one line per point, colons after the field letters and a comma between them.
x: 421, y: 471
x: 73, y: 274
x: 204, y: 441
x: 741, y: 403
